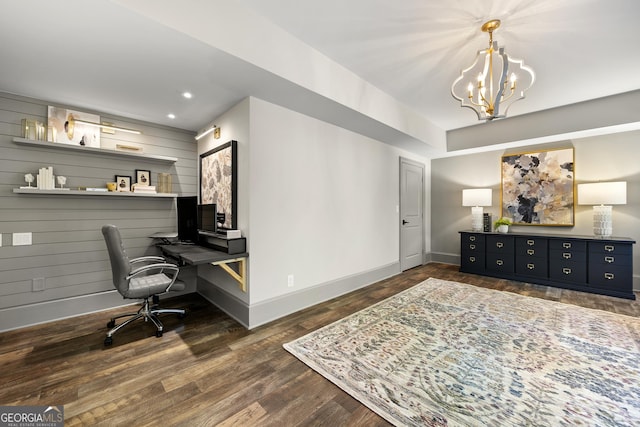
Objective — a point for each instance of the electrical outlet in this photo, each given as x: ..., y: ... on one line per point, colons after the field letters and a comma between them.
x: 290, y: 281
x: 37, y: 284
x: 22, y: 239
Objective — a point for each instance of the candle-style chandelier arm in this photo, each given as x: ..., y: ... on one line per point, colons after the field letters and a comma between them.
x: 496, y: 82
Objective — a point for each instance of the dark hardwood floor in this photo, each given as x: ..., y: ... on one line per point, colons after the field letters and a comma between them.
x: 207, y: 369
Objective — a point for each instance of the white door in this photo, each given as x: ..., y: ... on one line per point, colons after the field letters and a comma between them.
x: 411, y: 214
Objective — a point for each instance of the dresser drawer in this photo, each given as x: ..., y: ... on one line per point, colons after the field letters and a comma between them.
x: 568, y: 245
x: 472, y: 263
x: 610, y: 259
x: 610, y: 248
x: 500, y: 244
x: 500, y: 263
x: 567, y: 255
x: 472, y: 239
x: 612, y: 277
x: 532, y: 266
x: 568, y: 271
x: 531, y: 246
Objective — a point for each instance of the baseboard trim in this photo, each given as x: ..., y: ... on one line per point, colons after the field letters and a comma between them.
x: 445, y: 258
x: 43, y: 312
x: 269, y: 310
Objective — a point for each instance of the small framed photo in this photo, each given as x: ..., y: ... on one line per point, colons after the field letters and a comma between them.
x: 123, y: 183
x: 143, y: 177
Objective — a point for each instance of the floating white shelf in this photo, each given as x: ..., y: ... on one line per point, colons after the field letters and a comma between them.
x: 101, y: 151
x: 61, y: 192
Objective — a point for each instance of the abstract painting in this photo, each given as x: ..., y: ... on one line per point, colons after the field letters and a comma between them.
x: 538, y: 187
x: 218, y: 176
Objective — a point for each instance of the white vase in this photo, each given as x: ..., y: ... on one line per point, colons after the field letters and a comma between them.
x: 503, y: 229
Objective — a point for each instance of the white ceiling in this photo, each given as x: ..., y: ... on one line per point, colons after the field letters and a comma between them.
x: 102, y: 56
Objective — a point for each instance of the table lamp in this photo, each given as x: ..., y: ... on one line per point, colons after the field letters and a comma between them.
x: 601, y: 195
x: 476, y: 198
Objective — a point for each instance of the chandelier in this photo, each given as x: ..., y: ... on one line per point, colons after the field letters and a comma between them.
x: 494, y: 81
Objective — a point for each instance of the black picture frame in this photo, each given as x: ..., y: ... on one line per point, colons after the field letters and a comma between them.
x: 123, y: 183
x: 219, y: 182
x: 143, y: 177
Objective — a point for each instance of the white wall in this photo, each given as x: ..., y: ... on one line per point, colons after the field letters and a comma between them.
x: 316, y: 201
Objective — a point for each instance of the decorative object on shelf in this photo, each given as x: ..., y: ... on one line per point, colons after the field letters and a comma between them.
x: 46, y: 178
x: 33, y: 129
x: 218, y: 181
x: 62, y: 180
x: 129, y: 147
x: 112, y: 186
x: 143, y: 177
x: 537, y: 187
x: 494, y: 81
x: 164, y: 183
x: 502, y: 225
x: 139, y: 188
x: 602, y: 195
x: 29, y: 179
x: 123, y: 183
x: 476, y: 198
x: 71, y: 127
x: 213, y: 128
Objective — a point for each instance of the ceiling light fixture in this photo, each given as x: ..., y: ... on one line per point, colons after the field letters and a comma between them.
x: 213, y: 128
x: 494, y: 81
x: 171, y: 116
x: 187, y: 95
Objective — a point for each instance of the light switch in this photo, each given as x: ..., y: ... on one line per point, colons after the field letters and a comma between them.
x: 21, y: 239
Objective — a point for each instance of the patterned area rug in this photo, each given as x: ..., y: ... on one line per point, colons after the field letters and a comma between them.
x: 447, y: 353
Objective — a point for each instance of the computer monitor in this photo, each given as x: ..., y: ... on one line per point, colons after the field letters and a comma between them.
x: 187, y: 207
x: 207, y: 218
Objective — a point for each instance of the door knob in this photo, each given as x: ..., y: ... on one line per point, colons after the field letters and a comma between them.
x: 404, y: 222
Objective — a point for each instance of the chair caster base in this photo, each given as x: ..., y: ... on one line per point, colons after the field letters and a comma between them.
x: 108, y: 341
x: 111, y: 324
x: 159, y: 334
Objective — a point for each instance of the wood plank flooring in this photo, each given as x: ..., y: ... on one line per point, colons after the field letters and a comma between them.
x: 207, y: 369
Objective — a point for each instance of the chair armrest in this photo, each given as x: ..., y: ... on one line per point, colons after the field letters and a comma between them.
x: 150, y: 258
x: 173, y: 272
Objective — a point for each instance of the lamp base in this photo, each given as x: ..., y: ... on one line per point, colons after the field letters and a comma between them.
x: 602, y: 221
x: 477, y: 221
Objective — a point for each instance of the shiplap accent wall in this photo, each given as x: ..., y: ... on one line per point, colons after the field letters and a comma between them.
x: 68, y: 250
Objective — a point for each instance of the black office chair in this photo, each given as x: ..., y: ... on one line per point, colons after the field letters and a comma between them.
x: 139, y: 278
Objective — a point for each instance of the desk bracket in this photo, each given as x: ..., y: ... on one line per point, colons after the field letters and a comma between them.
x: 241, y: 276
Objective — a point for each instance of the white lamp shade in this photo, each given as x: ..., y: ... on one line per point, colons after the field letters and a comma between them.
x: 476, y: 197
x: 603, y: 193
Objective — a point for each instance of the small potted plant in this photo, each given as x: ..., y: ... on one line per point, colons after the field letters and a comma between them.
x: 502, y: 225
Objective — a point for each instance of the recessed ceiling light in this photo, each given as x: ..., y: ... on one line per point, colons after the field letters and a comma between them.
x: 171, y: 116
x: 187, y: 95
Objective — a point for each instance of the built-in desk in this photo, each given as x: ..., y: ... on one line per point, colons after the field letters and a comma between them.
x: 198, y: 255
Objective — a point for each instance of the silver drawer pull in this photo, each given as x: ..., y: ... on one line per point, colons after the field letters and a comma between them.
x: 499, y: 262
x: 566, y: 270
x: 472, y: 246
x: 530, y: 252
x: 531, y: 242
x: 609, y: 248
x: 609, y: 259
x: 609, y: 276
x: 566, y: 245
x: 499, y: 244
x: 472, y: 238
x: 472, y: 259
x: 566, y: 255
x: 531, y: 266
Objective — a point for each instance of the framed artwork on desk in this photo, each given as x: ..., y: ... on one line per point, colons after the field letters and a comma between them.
x: 219, y: 182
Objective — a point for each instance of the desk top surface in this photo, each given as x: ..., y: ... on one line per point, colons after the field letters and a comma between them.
x: 195, y: 255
